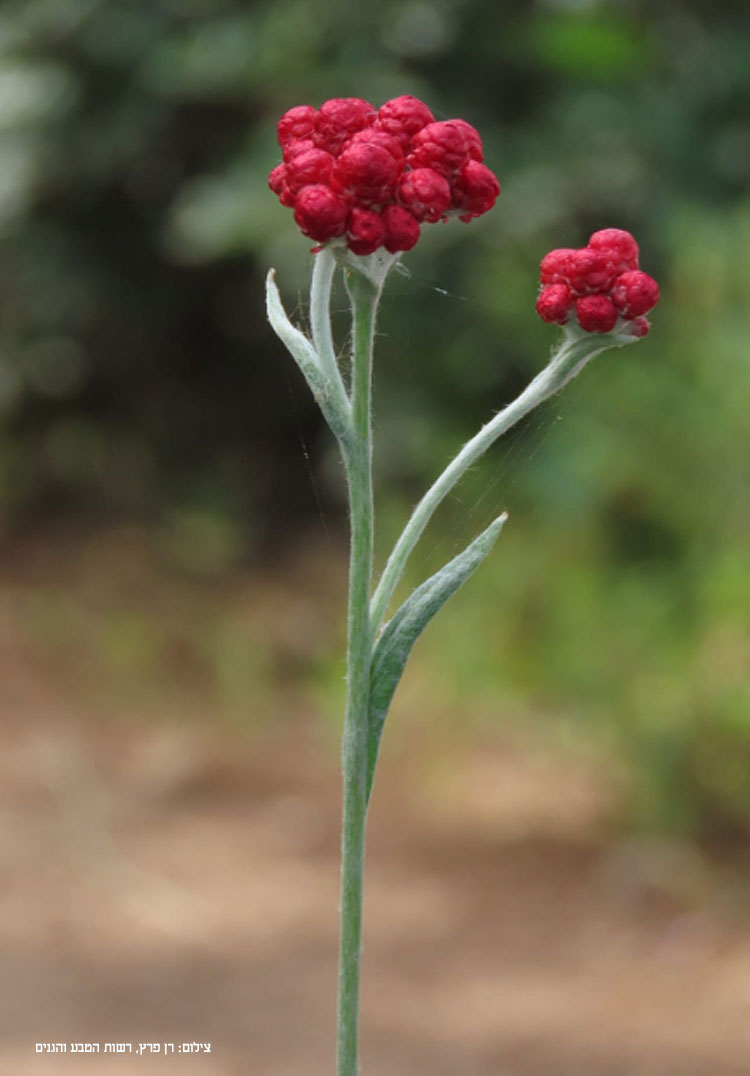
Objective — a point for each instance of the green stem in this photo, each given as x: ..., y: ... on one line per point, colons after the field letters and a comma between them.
x: 324, y: 268
x: 569, y: 360
x: 358, y: 458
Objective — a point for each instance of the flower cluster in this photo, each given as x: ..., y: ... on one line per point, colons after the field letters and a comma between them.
x: 600, y: 283
x: 374, y: 176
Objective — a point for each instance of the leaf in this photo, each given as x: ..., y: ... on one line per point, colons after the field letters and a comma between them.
x: 401, y: 632
x: 304, y: 354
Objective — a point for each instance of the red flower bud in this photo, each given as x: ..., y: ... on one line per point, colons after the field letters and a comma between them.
x: 365, y: 174
x: 639, y: 327
x: 298, y: 122
x: 276, y: 178
x: 443, y: 147
x: 596, y: 313
x: 554, y: 303
x: 296, y: 146
x: 401, y: 229
x: 320, y: 212
x: 402, y: 117
x: 424, y: 193
x: 474, y: 190
x: 340, y: 118
x: 366, y: 231
x: 635, y: 293
x: 313, y: 166
x: 619, y: 244
x: 554, y: 267
x: 473, y: 139
x: 590, y: 271
x: 373, y: 136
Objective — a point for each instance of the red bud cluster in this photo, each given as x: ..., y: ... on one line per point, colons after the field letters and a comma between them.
x: 599, y: 284
x: 373, y: 176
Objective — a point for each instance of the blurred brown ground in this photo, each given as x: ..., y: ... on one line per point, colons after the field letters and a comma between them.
x: 169, y: 878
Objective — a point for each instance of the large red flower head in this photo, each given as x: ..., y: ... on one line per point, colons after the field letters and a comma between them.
x: 369, y: 177
x: 599, y: 285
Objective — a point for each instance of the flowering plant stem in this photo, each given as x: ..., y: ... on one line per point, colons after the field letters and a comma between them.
x: 377, y: 652
x: 364, y: 295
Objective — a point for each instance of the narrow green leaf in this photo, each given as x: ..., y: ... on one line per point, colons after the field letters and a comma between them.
x: 402, y: 631
x: 304, y: 354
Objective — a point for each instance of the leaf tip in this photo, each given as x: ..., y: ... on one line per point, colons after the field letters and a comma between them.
x: 274, y: 307
x: 493, y: 531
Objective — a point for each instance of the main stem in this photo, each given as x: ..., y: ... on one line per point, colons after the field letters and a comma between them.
x: 358, y: 459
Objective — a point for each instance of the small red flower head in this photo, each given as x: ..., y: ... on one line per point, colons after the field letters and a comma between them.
x: 635, y: 293
x: 402, y: 117
x: 401, y: 229
x: 605, y: 282
x: 443, y: 147
x: 474, y: 190
x: 554, y: 303
x: 340, y: 118
x: 365, y: 174
x: 596, y: 313
x: 298, y: 122
x: 320, y: 213
x: 424, y: 193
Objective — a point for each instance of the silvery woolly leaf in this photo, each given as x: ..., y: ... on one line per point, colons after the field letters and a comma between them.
x: 304, y: 354
x: 402, y: 631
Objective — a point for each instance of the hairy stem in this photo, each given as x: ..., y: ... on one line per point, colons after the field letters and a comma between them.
x: 571, y: 357
x: 324, y: 268
x: 358, y: 458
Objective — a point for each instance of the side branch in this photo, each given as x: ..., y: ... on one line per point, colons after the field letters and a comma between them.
x: 568, y: 361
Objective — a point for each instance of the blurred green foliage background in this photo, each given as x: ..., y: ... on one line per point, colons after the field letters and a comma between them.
x: 139, y: 381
